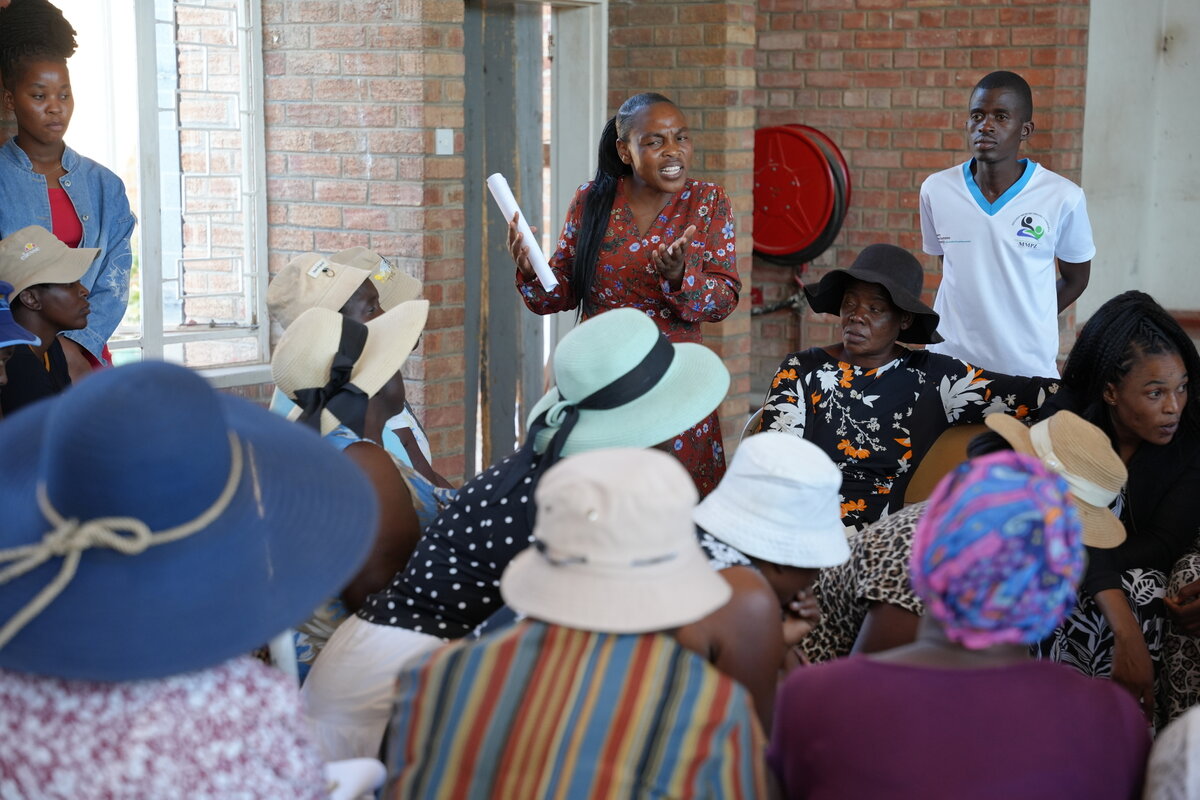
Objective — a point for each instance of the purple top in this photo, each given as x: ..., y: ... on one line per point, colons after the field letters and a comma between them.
x: 865, y: 728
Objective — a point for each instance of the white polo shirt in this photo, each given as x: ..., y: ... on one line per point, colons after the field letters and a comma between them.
x: 998, y: 302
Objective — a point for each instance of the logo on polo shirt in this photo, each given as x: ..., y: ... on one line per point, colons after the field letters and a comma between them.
x: 1030, y: 227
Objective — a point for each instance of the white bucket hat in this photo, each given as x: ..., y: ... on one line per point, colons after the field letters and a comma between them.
x: 614, y: 547
x: 312, y: 281
x: 653, y: 389
x: 395, y: 286
x: 328, y: 361
x: 779, y: 503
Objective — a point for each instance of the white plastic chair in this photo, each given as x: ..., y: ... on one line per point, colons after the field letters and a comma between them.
x: 751, y: 426
x: 354, y: 777
x: 283, y: 654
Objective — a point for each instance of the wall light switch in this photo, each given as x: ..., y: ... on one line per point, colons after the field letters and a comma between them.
x: 444, y: 142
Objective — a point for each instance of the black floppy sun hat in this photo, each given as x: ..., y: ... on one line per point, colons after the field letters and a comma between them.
x: 898, y: 272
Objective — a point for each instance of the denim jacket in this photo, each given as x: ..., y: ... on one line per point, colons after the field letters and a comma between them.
x: 99, y: 199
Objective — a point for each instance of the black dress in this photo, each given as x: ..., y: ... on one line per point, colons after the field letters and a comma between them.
x: 30, y: 381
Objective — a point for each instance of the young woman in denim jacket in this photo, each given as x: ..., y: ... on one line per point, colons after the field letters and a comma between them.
x: 44, y: 182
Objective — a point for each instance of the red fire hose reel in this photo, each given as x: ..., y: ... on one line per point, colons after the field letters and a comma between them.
x: 801, y: 193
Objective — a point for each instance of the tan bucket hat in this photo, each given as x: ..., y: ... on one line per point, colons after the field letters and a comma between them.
x: 1082, y: 455
x: 312, y: 281
x: 34, y: 255
x: 306, y: 355
x: 614, y: 548
x: 394, y: 284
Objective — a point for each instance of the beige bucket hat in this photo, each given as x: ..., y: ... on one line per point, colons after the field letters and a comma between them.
x: 395, y: 286
x: 1082, y: 455
x: 34, y: 255
x: 614, y: 547
x: 312, y: 281
x: 324, y: 355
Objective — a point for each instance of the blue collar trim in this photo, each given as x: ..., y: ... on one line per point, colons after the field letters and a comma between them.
x: 991, y: 208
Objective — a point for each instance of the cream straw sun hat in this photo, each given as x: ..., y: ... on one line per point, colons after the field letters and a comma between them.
x: 614, y: 548
x: 779, y: 503
x: 34, y: 255
x: 312, y: 281
x: 331, y: 364
x: 1081, y: 454
x: 395, y: 286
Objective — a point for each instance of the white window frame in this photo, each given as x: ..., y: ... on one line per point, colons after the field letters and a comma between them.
x: 160, y: 186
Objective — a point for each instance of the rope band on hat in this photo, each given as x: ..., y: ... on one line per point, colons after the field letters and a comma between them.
x: 339, y: 396
x: 69, y: 538
x: 1085, y: 490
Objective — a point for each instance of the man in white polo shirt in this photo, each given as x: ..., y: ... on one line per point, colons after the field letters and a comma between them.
x: 1000, y: 224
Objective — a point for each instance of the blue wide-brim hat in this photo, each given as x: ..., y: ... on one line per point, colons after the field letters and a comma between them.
x: 109, y: 474
x: 10, y: 332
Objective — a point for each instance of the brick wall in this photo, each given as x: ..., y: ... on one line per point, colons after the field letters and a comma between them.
x: 889, y: 81
x: 701, y: 54
x: 355, y: 90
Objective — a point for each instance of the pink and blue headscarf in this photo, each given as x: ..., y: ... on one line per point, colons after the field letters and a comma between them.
x: 998, y: 553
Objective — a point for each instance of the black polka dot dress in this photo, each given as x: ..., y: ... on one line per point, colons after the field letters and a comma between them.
x: 452, y: 581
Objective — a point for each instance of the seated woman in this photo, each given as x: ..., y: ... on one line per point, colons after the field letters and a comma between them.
x: 868, y: 604
x: 963, y: 711
x: 769, y: 556
x: 1132, y: 372
x: 361, y: 285
x: 345, y: 377
x: 126, y: 614
x: 590, y: 696
x: 618, y: 383
x: 403, y: 434
x: 874, y: 406
x: 47, y: 299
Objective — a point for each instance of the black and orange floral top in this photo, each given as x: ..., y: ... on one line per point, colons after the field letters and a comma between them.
x: 625, y: 276
x: 877, y: 424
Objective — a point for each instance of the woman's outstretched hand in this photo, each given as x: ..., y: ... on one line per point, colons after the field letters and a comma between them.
x: 668, y: 260
x: 517, y: 248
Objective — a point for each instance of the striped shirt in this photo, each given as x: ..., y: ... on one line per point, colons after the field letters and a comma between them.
x: 543, y: 711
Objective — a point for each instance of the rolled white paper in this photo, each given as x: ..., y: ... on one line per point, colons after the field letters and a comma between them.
x: 503, y: 196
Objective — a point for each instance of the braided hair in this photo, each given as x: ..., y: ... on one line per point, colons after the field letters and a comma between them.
x: 32, y: 30
x: 1127, y: 328
x: 597, y: 206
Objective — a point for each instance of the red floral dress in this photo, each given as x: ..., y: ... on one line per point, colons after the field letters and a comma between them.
x: 626, y: 278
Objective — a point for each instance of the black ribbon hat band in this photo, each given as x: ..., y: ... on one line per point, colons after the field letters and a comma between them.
x: 339, y: 396
x: 623, y: 390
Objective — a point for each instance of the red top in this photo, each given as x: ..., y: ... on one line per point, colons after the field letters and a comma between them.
x: 625, y: 276
x: 67, y: 227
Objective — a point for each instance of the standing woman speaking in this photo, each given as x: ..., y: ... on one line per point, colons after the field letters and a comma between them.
x: 44, y: 182
x: 644, y: 235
